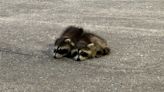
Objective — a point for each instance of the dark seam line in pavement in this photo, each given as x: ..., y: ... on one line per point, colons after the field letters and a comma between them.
x: 18, y: 53
x: 12, y: 52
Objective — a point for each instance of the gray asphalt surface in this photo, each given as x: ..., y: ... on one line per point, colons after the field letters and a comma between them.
x: 134, y: 29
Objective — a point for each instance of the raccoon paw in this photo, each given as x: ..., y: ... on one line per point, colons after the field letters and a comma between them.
x: 106, y: 51
x: 99, y: 54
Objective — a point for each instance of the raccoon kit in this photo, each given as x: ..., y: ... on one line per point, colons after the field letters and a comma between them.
x: 66, y: 42
x: 89, y: 46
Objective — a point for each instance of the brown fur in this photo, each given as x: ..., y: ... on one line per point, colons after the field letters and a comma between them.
x: 73, y: 33
x: 67, y: 40
x: 99, y: 48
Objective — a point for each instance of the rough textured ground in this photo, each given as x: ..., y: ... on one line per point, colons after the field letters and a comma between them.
x: 134, y: 30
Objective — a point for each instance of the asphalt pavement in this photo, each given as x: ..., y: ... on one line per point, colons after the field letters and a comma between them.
x: 134, y: 30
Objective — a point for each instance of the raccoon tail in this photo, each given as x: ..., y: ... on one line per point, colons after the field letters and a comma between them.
x: 106, y: 51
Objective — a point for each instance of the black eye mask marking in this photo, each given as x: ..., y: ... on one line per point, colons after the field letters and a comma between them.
x: 75, y: 53
x: 84, y: 54
x: 63, y: 51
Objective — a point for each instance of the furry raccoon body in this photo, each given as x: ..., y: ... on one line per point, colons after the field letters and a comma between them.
x: 67, y: 40
x: 90, y: 45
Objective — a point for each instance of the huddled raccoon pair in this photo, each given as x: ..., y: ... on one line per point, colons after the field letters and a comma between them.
x: 74, y: 42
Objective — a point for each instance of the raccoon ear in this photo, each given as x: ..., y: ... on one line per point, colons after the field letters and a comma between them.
x: 69, y: 41
x: 90, y: 45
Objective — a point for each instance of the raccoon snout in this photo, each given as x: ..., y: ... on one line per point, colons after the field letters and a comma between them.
x: 78, y: 59
x: 55, y: 56
x: 54, y: 50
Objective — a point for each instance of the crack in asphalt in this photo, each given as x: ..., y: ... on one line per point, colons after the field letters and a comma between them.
x: 45, y: 55
x: 14, y: 52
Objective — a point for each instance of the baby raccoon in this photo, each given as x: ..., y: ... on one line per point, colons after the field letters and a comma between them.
x: 67, y: 40
x: 89, y: 46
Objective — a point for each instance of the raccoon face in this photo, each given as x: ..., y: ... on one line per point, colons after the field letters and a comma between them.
x: 62, y: 47
x: 81, y: 54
